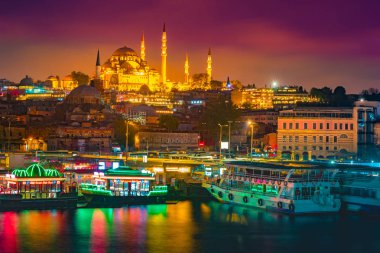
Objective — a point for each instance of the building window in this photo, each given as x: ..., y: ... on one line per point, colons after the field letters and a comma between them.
x: 290, y: 147
x: 290, y: 125
x: 297, y: 125
x: 320, y: 138
x: 327, y: 148
x: 314, y: 138
x: 327, y: 139
x: 351, y: 126
x: 296, y: 139
x: 296, y: 147
x: 304, y: 125
x: 335, y: 138
x: 284, y: 148
x: 335, y: 148
x: 341, y: 126
x: 336, y: 126
x: 290, y: 138
x: 321, y: 126
x: 304, y: 148
x: 327, y: 126
x: 320, y: 148
x: 314, y: 148
x: 284, y: 125
x: 305, y: 138
x: 314, y: 126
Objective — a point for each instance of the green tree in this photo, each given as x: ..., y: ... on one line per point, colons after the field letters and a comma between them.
x: 80, y: 77
x: 216, y: 85
x: 168, y: 122
x: 218, y: 112
x: 120, y: 130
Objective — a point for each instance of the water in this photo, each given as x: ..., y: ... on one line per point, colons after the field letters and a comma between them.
x: 185, y: 227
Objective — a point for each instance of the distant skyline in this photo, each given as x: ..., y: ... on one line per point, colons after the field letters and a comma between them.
x: 299, y: 42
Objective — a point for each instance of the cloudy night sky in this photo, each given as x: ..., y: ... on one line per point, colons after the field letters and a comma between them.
x: 296, y: 42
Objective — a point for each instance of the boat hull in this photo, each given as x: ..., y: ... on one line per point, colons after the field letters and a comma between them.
x: 119, y: 201
x: 30, y: 204
x: 360, y: 204
x: 271, y: 203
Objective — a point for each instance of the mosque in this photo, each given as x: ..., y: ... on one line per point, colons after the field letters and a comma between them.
x: 125, y: 70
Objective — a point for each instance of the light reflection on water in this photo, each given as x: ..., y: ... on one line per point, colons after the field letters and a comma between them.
x: 184, y: 227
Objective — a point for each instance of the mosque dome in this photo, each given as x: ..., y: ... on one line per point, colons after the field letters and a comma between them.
x: 83, y: 94
x: 124, y: 51
x: 26, y: 81
x: 35, y: 170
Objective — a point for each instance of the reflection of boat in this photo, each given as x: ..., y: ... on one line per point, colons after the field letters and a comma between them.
x: 360, y: 190
x: 35, y: 187
x: 291, y: 189
x: 123, y: 186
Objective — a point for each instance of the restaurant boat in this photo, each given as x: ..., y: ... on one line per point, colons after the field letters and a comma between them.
x: 35, y: 187
x: 123, y: 186
x: 360, y: 190
x: 289, y: 188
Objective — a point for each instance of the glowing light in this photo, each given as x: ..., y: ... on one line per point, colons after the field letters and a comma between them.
x: 274, y: 84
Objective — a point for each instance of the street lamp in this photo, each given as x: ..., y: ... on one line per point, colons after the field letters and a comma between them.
x: 251, y: 125
x: 229, y: 138
x: 220, y: 140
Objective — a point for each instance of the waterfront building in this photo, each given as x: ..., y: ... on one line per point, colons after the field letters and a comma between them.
x: 270, y: 98
x: 315, y: 132
x: 166, y: 141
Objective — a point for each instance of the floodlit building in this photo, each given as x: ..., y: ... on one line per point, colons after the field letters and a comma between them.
x: 320, y: 133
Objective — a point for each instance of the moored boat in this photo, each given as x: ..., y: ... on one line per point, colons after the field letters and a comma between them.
x: 123, y: 186
x: 35, y: 187
x: 360, y: 190
x: 291, y: 188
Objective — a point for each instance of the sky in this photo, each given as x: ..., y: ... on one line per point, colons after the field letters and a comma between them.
x: 296, y: 42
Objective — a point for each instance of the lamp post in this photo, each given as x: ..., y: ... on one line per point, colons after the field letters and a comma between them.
x: 229, y: 138
x: 251, y: 125
x: 220, y: 140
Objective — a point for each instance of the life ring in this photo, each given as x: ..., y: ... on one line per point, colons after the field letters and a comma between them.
x: 245, y: 199
x: 260, y: 202
x: 230, y: 196
x: 279, y: 204
x: 220, y: 194
x: 291, y: 207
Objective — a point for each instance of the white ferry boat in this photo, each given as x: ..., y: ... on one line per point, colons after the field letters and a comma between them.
x: 290, y: 188
x: 360, y: 190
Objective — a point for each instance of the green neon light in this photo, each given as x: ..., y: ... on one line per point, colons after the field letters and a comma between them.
x: 36, y: 170
x: 161, y: 190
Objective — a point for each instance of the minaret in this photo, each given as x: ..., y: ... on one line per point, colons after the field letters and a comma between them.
x: 163, y: 56
x: 142, y: 47
x: 187, y: 69
x: 98, y: 67
x: 209, y: 66
x: 228, y: 83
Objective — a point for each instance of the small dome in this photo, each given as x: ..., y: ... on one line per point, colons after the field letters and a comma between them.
x: 124, y: 51
x: 20, y: 172
x: 52, y: 173
x: 83, y: 94
x: 35, y: 170
x: 26, y: 81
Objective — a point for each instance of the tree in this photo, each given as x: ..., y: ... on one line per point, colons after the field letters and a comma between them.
x: 169, y: 122
x: 80, y: 77
x: 218, y: 112
x: 216, y: 85
x: 200, y: 80
x: 339, y: 97
x: 236, y: 84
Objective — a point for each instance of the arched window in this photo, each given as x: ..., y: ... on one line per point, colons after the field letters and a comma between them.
x: 343, y: 136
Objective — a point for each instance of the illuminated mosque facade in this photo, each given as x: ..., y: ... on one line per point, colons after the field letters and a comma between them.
x: 126, y: 71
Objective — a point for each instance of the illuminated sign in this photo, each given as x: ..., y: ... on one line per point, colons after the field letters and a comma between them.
x: 224, y: 145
